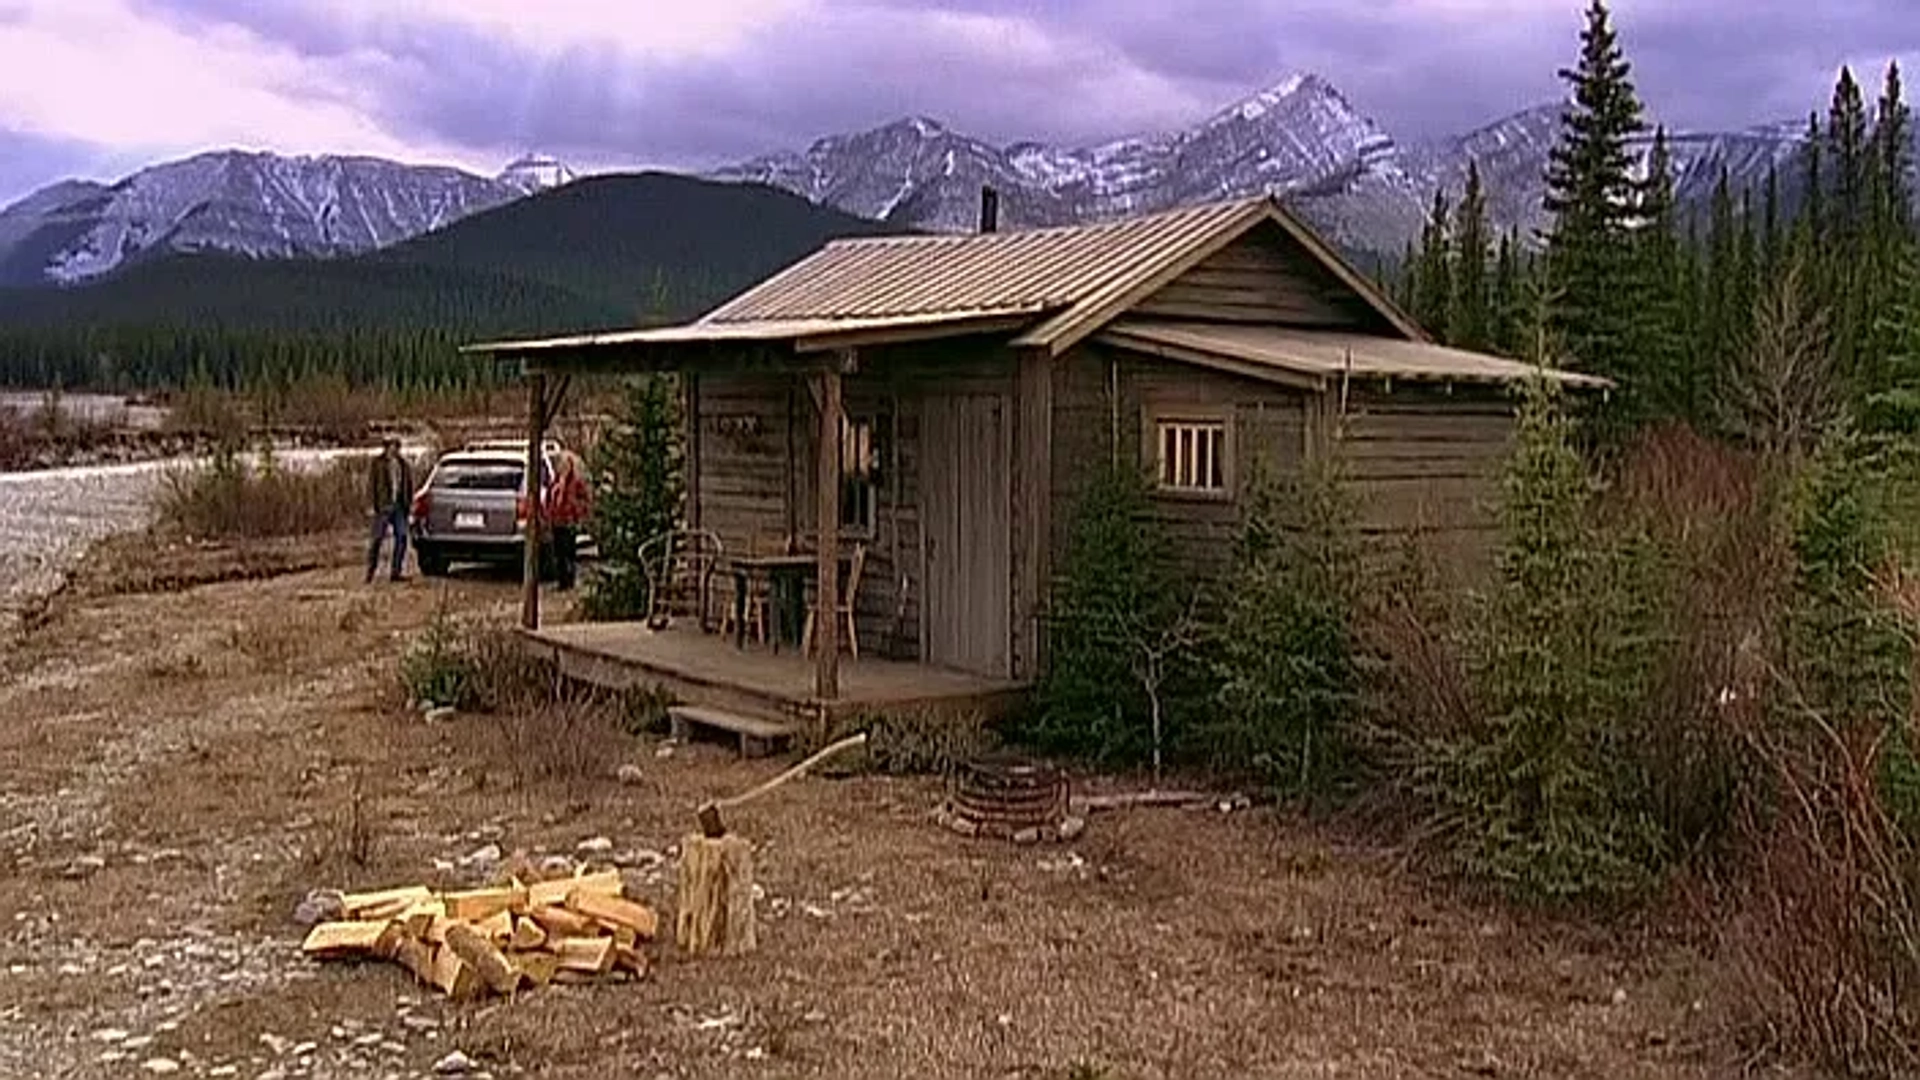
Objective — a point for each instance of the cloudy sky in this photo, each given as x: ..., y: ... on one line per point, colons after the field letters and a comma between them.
x: 96, y: 87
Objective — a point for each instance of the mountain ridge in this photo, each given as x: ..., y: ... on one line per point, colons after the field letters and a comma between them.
x: 250, y: 203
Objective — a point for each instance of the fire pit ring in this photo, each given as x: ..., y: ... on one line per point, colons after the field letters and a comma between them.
x: 1011, y: 797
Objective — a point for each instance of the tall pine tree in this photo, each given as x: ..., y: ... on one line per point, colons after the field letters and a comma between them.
x: 1433, y: 273
x: 1508, y: 300
x: 1674, y: 387
x: 1469, y: 323
x: 1593, y: 200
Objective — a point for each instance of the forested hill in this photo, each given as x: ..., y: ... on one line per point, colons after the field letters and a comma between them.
x: 608, y: 251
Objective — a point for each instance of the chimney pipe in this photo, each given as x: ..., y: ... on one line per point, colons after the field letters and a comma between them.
x: 989, y: 209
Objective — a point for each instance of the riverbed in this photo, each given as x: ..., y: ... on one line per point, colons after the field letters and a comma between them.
x: 49, y: 517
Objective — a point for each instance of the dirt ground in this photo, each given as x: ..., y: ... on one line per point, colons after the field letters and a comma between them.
x: 178, y: 767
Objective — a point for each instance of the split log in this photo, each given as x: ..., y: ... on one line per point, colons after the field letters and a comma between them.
x: 614, y: 912
x: 416, y: 956
x: 385, y: 904
x: 527, y: 934
x: 714, y: 912
x: 559, y: 922
x: 337, y: 940
x: 476, y: 904
x: 630, y: 959
x: 591, y: 955
x: 536, y: 967
x: 471, y: 946
x: 545, y: 893
x: 454, y: 976
x: 497, y: 927
x: 416, y: 920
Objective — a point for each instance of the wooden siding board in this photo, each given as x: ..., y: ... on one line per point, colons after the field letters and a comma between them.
x: 1262, y: 277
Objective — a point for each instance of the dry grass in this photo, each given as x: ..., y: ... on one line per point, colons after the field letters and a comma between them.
x: 231, y: 497
x: 1161, y: 944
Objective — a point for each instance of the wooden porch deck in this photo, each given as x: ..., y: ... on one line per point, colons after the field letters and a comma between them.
x: 708, y: 669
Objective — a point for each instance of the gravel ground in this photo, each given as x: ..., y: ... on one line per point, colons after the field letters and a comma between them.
x: 49, y: 518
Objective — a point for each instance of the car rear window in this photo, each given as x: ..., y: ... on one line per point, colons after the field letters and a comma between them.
x: 478, y: 476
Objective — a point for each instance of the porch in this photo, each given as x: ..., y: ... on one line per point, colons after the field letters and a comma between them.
x: 710, y: 670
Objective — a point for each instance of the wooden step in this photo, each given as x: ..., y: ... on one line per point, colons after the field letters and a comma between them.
x: 758, y: 737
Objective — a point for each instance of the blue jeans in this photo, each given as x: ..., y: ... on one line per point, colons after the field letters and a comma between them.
x: 394, y: 520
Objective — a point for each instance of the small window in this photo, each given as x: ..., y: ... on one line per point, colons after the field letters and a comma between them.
x: 860, y: 474
x: 1192, y: 456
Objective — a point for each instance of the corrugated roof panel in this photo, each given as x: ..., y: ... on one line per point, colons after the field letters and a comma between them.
x: 1048, y: 268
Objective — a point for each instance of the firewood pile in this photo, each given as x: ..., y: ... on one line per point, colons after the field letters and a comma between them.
x: 495, y: 940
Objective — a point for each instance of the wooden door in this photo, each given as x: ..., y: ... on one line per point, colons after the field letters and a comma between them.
x: 966, y: 505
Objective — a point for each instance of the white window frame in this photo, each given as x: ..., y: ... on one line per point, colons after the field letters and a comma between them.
x: 1191, y: 452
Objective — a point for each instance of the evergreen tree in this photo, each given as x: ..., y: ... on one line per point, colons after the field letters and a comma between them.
x: 1469, y: 324
x: 1409, y: 291
x: 1847, y: 146
x: 1722, y: 322
x: 1508, y: 317
x: 1813, y: 219
x: 636, y: 471
x: 1673, y: 386
x: 1433, y: 277
x: 1593, y: 199
x: 1770, y: 226
x: 1893, y: 406
x: 1893, y: 152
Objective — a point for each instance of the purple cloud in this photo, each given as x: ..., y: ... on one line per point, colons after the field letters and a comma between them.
x: 1066, y: 70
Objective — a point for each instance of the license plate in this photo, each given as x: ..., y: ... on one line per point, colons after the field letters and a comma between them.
x: 469, y: 521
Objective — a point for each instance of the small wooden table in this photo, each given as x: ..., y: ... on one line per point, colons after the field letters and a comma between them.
x: 787, y: 580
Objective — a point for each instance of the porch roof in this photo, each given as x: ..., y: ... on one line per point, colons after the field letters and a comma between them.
x: 1313, y: 357
x: 809, y: 334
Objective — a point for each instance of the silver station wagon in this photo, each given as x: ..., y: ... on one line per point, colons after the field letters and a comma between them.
x: 473, y: 506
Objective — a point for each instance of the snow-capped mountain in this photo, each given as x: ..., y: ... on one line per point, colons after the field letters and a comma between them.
x: 536, y: 173
x: 253, y: 204
x: 1300, y: 138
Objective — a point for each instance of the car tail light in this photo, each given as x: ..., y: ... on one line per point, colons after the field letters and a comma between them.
x: 422, y: 505
x: 521, y: 510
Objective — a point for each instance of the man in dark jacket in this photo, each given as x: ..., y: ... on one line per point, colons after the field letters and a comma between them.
x: 389, y: 489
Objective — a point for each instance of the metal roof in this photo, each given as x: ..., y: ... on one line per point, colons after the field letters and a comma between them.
x: 1323, y: 356
x: 803, y: 332
x: 1081, y: 275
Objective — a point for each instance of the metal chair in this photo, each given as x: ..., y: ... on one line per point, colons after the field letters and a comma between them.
x: 680, y: 565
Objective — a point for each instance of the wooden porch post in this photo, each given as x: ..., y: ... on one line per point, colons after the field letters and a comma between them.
x: 530, y: 567
x: 826, y: 630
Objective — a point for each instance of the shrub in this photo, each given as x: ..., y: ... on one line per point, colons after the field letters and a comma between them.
x: 1826, y: 931
x: 327, y: 405
x: 1285, y: 648
x: 1123, y: 660
x: 477, y: 669
x: 227, y: 497
x: 1541, y: 795
x: 635, y: 471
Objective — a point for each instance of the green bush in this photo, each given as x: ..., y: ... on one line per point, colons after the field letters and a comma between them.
x: 1285, y: 649
x: 1123, y: 669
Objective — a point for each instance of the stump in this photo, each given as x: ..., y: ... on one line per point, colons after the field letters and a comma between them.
x: 714, y: 913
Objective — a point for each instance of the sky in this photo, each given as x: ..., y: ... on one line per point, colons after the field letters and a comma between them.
x: 95, y: 88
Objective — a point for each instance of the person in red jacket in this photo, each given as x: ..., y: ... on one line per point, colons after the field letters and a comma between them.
x: 569, y: 505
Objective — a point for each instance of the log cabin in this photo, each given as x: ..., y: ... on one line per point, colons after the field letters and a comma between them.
x: 935, y: 402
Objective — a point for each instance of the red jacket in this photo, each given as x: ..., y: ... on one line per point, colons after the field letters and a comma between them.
x: 569, y: 500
